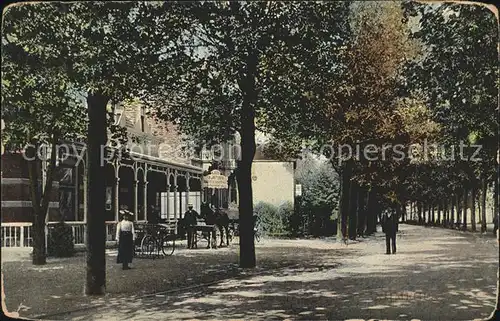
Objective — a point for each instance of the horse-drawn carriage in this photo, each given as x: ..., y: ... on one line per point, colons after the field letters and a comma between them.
x: 212, y: 227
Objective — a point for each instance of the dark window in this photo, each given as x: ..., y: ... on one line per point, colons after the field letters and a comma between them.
x: 67, y: 194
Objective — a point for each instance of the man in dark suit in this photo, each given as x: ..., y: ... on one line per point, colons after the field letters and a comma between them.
x: 495, y: 224
x: 190, y: 219
x: 390, y: 228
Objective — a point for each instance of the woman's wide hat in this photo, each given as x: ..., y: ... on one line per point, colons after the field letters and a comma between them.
x: 127, y: 213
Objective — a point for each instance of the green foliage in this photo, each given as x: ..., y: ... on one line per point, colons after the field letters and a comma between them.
x: 361, y: 104
x: 267, y: 216
x: 320, y: 185
x: 54, y: 55
x: 256, y: 55
x: 60, y: 241
x: 39, y: 105
x: 94, y: 43
x: 275, y: 221
x: 462, y: 94
x: 285, y: 214
x: 52, y: 52
x: 318, y: 206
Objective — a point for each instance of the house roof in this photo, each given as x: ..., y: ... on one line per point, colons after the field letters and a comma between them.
x: 155, y: 132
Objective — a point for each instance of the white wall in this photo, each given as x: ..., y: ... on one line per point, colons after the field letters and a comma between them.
x: 273, y: 182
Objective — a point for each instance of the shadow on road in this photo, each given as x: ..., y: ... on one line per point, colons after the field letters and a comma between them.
x: 436, y: 274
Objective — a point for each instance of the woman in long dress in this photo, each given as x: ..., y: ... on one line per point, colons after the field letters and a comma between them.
x: 125, y: 236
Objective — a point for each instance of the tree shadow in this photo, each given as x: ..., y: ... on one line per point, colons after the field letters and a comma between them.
x: 432, y: 278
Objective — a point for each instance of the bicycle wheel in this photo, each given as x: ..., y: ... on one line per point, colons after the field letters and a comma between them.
x: 168, y: 245
x: 148, y: 246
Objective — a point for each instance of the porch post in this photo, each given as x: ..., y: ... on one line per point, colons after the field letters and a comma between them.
x: 116, y: 200
x: 187, y: 189
x: 202, y: 188
x: 145, y: 191
x: 175, y: 198
x: 168, y: 200
x: 136, y: 183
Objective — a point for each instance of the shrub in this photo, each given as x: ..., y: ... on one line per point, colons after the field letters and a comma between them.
x: 314, y: 220
x: 267, y: 214
x: 60, y: 241
x: 279, y: 220
x: 298, y: 219
x: 285, y: 215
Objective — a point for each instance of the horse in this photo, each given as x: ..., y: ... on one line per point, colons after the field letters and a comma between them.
x: 218, y: 218
x: 222, y: 222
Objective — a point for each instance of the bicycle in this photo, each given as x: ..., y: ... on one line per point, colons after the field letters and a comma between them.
x: 233, y: 230
x: 157, y: 240
x: 256, y: 234
x: 257, y: 231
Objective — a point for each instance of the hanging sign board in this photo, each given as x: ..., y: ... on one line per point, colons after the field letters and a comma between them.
x: 215, y: 180
x: 298, y: 190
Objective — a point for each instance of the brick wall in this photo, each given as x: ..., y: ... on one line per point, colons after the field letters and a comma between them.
x: 15, y: 194
x: 14, y: 166
x: 23, y: 214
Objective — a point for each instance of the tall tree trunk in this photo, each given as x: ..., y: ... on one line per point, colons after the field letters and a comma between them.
x: 439, y: 213
x: 341, y: 206
x: 427, y: 214
x: 473, y: 209
x: 96, y: 226
x: 353, y: 210
x: 244, y: 176
x: 362, y: 197
x: 452, y: 211
x: 40, y: 198
x: 420, y: 209
x: 446, y: 213
x: 495, y: 315
x: 479, y: 207
x: 459, y: 208
x: 38, y: 227
x: 433, y: 218
x: 464, y: 218
x: 344, y: 201
x: 495, y: 194
x: 248, y: 147
x: 483, y: 205
x: 372, y: 211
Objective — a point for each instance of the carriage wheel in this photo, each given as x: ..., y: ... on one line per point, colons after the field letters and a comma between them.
x: 148, y: 246
x: 168, y: 246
